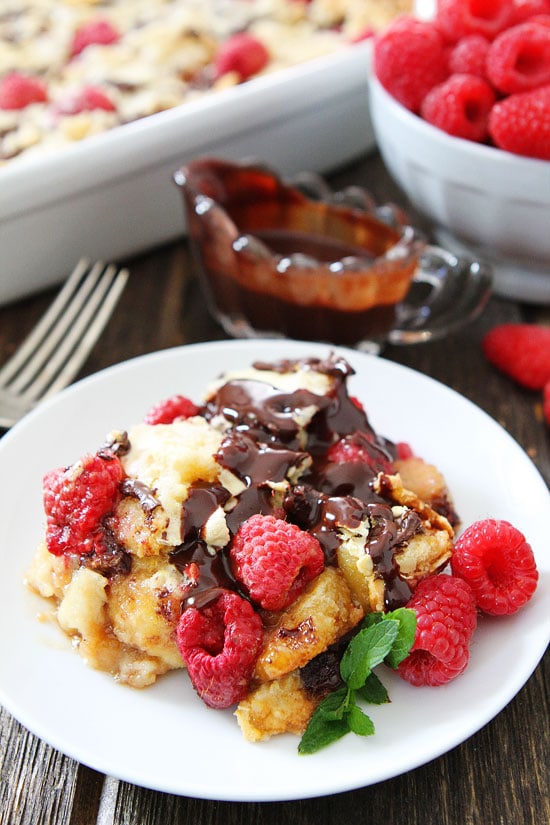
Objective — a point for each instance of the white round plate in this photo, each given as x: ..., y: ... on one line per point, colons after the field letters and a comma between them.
x: 163, y: 737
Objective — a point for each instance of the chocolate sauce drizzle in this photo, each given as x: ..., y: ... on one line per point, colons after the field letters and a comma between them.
x: 265, y: 446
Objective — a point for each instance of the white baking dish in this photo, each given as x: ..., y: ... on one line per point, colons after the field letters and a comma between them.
x: 112, y: 195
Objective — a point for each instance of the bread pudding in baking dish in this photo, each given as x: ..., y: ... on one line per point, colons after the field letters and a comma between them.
x: 74, y: 68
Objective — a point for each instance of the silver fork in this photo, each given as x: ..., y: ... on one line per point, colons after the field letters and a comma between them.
x: 51, y: 355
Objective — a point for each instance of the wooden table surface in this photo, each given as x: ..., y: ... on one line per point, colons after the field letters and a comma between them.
x: 499, y: 776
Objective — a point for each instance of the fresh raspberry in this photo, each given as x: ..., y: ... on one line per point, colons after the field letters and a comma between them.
x: 95, y: 33
x: 409, y: 60
x: 469, y: 56
x: 498, y: 564
x: 519, y: 59
x: 546, y: 402
x: 527, y: 9
x: 521, y: 351
x: 219, y: 643
x: 166, y: 411
x: 18, y: 91
x: 76, y: 499
x: 274, y: 560
x: 359, y: 449
x: 86, y: 100
x: 521, y: 123
x: 457, y: 18
x: 404, y: 450
x: 446, y: 619
x: 243, y: 54
x: 460, y: 106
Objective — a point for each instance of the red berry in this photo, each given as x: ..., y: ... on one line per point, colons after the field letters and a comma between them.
x: 521, y: 351
x: 460, y: 106
x: 409, y: 60
x: 76, y: 499
x: 86, y: 100
x: 521, y: 123
x: 526, y: 9
x: 274, y: 560
x: 96, y: 32
x: 458, y: 18
x: 404, y: 450
x: 498, y: 564
x: 446, y: 619
x: 519, y: 59
x: 168, y: 410
x: 18, y: 91
x: 243, y: 54
x: 359, y: 449
x: 469, y: 56
x: 546, y: 402
x: 219, y: 643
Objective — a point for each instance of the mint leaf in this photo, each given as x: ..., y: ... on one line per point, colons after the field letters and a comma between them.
x: 359, y: 722
x: 335, y: 705
x: 322, y: 732
x: 366, y: 650
x: 373, y: 691
x: 405, y: 635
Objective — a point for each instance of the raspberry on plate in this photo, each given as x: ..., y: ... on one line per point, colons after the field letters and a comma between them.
x: 409, y: 60
x: 243, y: 54
x: 219, y: 643
x: 457, y: 18
x: 460, y: 106
x: 521, y: 351
x: 18, y: 91
x: 519, y: 59
x: 357, y: 448
x: 498, y: 563
x: 169, y: 409
x: 446, y: 618
x: 275, y: 560
x: 76, y: 499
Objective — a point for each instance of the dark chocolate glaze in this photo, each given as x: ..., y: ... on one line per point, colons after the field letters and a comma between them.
x: 264, y: 446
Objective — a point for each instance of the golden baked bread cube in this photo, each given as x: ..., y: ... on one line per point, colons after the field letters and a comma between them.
x: 324, y: 612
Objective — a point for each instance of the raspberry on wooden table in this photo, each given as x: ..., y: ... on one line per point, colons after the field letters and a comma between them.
x: 169, y: 409
x: 446, y: 619
x: 521, y: 351
x: 76, y: 499
x: 219, y: 644
x: 498, y: 564
x: 274, y: 560
x: 18, y: 91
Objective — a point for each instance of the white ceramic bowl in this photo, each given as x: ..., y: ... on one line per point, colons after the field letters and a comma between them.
x: 493, y: 203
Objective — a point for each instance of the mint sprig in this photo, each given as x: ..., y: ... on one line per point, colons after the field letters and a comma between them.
x: 383, y: 637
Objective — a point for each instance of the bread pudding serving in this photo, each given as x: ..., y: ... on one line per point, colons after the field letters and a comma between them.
x: 249, y: 538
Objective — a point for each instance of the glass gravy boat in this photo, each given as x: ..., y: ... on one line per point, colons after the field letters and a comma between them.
x: 298, y: 260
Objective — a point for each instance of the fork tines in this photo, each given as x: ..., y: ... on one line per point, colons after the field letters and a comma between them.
x: 54, y: 351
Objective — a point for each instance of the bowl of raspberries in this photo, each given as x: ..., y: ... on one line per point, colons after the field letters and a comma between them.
x: 460, y: 107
